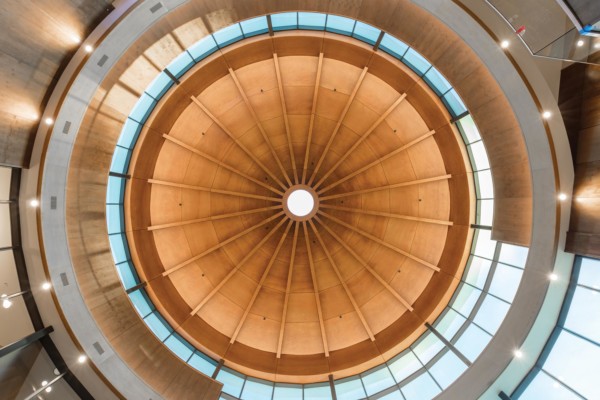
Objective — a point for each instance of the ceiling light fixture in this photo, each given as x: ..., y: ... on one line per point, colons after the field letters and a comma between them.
x: 546, y: 114
x: 553, y: 277
x: 81, y: 359
x: 88, y: 48
x: 518, y: 353
x: 48, y: 121
x: 562, y: 196
x: 46, y: 285
x: 6, y: 303
x: 580, y: 43
x: 504, y: 44
x: 34, y: 203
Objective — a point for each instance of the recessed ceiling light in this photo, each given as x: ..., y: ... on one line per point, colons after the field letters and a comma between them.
x: 504, y: 44
x: 34, y: 202
x: 580, y: 43
x: 562, y: 197
x: 6, y: 303
x: 48, y: 121
x: 553, y: 277
x: 518, y: 353
x: 46, y: 285
x: 81, y: 359
x: 88, y: 48
x: 546, y: 114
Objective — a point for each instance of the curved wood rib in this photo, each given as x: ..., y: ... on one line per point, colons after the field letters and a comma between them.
x: 313, y: 276
x: 213, y: 190
x: 339, y: 124
x: 222, y: 164
x: 259, y: 125
x: 381, y: 242
x: 311, y: 124
x: 341, y: 279
x: 236, y: 141
x: 218, y: 246
x: 285, y: 117
x: 387, y: 215
x: 287, y: 291
x: 360, y: 140
x: 260, y: 284
x: 364, y: 264
x: 387, y: 187
x: 378, y: 161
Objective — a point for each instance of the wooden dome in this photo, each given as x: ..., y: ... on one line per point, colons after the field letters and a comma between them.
x: 296, y: 298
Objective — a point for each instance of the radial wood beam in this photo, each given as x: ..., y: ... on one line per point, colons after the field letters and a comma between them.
x: 366, y: 265
x: 361, y: 139
x: 341, y: 279
x: 339, y: 123
x: 259, y: 125
x: 260, y: 284
x: 386, y: 187
x: 378, y: 161
x: 387, y: 215
x: 213, y: 218
x: 221, y: 164
x: 223, y: 243
x: 237, y: 142
x: 288, y: 288
x: 315, y: 289
x: 285, y: 117
x: 381, y: 242
x: 313, y: 111
x: 213, y: 190
x: 237, y: 267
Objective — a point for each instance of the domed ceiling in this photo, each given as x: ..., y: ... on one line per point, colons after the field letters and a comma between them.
x: 295, y: 295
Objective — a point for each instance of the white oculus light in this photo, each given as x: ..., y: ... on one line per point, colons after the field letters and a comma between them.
x: 300, y: 203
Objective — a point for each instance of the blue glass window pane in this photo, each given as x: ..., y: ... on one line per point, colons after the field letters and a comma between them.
x: 447, y: 369
x: 468, y: 129
x: 491, y: 314
x: 465, y: 299
x: 478, y: 271
x: 479, y: 158
x: 141, y: 302
x: 350, y: 388
x: 159, y: 85
x: 254, y: 26
x: 317, y: 391
x: 450, y: 323
x: 313, y: 21
x: 421, y: 388
x: 505, y: 282
x: 287, y: 392
x: 142, y: 108
x: 485, y: 185
x: 584, y: 314
x: 232, y: 381
x: 416, y: 62
x: 127, y: 274
x: 485, y: 212
x: 589, y: 274
x: 257, y: 389
x: 437, y: 82
x: 454, y: 103
x: 513, y: 255
x: 428, y: 347
x: 341, y: 25
x: 576, y: 363
x: 181, y: 64
x: 117, y: 246
x: 120, y: 160
x: 114, y: 220
x: 366, y: 33
x: 284, y: 21
x: 158, y: 325
x: 115, y: 190
x: 228, y: 35
x: 485, y: 246
x: 179, y: 346
x: 203, y: 364
x: 129, y: 134
x: 203, y: 48
x: 547, y: 388
x: 377, y: 379
x: 404, y: 365
x: 393, y: 46
x: 472, y: 342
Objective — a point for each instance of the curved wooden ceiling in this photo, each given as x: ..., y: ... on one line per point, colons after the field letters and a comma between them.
x: 276, y: 297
